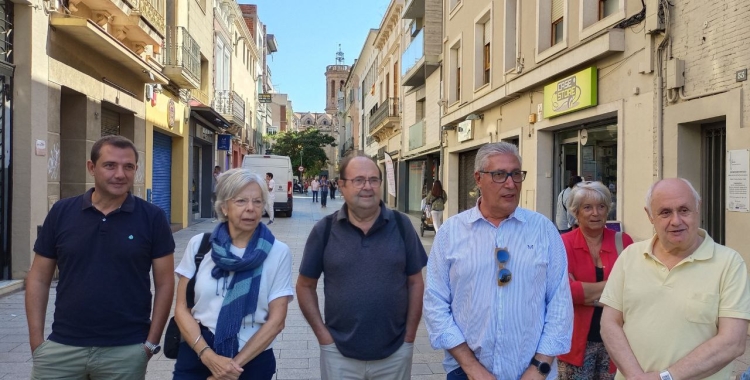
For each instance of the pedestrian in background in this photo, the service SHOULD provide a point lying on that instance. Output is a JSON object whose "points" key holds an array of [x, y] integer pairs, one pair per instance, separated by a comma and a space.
{"points": [[315, 186], [436, 200], [497, 298], [677, 305], [592, 250], [105, 243], [242, 289], [271, 185], [324, 185], [371, 260], [215, 175], [332, 187], [563, 218]]}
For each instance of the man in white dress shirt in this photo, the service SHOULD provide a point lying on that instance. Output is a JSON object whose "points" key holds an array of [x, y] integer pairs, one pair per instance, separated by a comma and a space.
{"points": [[497, 297]]}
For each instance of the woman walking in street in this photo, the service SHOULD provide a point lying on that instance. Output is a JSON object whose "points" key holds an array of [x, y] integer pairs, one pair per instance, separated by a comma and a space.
{"points": [[241, 288], [436, 200]]}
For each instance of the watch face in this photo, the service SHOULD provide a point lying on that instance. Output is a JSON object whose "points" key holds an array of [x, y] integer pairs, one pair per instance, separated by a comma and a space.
{"points": [[544, 368], [158, 348]]}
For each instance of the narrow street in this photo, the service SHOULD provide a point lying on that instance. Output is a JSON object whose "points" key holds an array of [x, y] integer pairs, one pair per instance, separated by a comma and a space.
{"points": [[296, 348]]}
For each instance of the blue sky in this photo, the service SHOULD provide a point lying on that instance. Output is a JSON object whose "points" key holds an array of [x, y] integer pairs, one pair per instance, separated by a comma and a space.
{"points": [[308, 33]]}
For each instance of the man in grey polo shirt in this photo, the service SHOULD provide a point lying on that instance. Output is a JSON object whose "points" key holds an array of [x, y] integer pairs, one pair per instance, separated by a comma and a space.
{"points": [[372, 260]]}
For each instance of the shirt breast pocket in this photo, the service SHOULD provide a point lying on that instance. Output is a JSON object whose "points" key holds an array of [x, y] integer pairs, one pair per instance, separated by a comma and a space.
{"points": [[702, 308]]}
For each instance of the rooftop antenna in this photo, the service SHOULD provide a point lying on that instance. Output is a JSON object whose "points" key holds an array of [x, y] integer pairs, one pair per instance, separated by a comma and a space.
{"points": [[339, 56]]}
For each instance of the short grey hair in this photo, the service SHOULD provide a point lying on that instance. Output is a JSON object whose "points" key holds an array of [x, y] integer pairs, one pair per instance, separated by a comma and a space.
{"points": [[492, 149], [650, 193], [594, 190], [230, 183]]}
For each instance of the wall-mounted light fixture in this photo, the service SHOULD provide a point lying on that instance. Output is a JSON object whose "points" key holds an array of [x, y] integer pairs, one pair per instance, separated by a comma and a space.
{"points": [[473, 116], [449, 127]]}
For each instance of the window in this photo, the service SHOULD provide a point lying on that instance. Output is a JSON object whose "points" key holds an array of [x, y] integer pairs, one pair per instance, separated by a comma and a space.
{"points": [[557, 21], [482, 51], [454, 73], [608, 7], [452, 4], [511, 17]]}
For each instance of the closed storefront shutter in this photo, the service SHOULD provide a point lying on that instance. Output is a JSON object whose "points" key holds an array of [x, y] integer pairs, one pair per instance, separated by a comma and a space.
{"points": [[110, 122], [162, 173], [468, 192]]}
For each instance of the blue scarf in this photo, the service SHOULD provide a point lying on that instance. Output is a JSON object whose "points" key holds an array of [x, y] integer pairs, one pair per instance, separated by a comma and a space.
{"points": [[241, 298]]}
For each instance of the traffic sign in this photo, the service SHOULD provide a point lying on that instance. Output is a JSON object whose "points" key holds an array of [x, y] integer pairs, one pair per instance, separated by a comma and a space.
{"points": [[301, 168]]}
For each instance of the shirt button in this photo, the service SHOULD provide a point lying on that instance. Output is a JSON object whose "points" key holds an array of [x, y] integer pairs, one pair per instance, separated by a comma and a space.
{"points": [[104, 219], [663, 269]]}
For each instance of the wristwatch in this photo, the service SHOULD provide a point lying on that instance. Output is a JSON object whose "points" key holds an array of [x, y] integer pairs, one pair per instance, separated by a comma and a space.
{"points": [[154, 348], [543, 367], [665, 375]]}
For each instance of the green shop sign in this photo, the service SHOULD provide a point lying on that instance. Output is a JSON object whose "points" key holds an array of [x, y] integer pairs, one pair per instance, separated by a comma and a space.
{"points": [[571, 94]]}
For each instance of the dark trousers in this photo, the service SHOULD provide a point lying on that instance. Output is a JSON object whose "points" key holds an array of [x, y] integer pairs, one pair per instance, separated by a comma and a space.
{"points": [[315, 196], [457, 374], [323, 198], [333, 193], [189, 366]]}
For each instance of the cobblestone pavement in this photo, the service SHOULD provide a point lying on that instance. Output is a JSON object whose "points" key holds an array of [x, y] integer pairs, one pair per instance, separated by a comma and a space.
{"points": [[296, 348]]}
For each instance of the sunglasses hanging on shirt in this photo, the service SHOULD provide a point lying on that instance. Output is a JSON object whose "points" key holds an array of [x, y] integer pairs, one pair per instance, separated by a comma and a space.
{"points": [[503, 275]]}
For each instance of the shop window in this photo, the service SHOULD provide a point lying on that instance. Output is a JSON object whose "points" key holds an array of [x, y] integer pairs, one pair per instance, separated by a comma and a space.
{"points": [[591, 153]]}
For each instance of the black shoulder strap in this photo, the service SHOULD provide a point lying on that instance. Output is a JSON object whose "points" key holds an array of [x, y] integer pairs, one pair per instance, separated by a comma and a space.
{"points": [[202, 250]]}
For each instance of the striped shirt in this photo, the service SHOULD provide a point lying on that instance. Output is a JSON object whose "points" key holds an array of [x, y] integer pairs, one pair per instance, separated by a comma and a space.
{"points": [[504, 325]]}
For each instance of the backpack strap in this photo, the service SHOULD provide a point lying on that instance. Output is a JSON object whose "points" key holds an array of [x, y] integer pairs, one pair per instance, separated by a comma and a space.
{"points": [[202, 250], [618, 242]]}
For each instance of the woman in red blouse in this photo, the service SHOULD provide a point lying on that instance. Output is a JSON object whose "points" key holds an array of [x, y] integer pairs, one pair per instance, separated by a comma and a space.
{"points": [[592, 250]]}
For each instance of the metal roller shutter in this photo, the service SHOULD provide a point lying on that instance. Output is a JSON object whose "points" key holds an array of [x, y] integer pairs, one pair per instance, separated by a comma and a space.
{"points": [[110, 122], [557, 10], [162, 173]]}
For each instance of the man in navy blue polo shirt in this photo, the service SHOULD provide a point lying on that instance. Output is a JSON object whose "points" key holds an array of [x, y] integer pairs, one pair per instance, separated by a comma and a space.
{"points": [[104, 242], [372, 262]]}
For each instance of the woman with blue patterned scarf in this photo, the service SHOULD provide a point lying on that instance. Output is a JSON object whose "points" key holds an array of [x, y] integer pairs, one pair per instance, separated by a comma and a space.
{"points": [[242, 286]]}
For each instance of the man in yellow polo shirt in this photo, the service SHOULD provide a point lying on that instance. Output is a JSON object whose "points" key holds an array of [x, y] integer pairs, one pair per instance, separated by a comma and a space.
{"points": [[676, 306]]}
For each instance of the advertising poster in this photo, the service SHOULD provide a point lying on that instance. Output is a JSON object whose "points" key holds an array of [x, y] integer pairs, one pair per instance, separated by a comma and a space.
{"points": [[738, 180]]}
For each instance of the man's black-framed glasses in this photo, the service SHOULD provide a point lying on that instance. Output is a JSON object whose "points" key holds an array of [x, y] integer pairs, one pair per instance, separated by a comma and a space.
{"points": [[503, 274], [501, 176], [359, 182]]}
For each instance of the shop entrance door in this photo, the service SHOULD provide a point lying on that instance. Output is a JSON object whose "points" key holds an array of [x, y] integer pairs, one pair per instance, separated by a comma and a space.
{"points": [[713, 186]]}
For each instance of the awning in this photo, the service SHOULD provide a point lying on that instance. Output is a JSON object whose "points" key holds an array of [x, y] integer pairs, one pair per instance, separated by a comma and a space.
{"points": [[90, 34], [208, 116]]}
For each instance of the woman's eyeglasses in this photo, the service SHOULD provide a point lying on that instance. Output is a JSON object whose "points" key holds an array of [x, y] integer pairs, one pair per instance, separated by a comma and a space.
{"points": [[503, 275]]}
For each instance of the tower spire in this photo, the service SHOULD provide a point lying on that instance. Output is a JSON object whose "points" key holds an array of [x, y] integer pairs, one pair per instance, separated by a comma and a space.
{"points": [[340, 56]]}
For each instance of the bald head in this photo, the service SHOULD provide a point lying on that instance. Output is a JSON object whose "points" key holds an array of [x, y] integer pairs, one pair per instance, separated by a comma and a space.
{"points": [[671, 187]]}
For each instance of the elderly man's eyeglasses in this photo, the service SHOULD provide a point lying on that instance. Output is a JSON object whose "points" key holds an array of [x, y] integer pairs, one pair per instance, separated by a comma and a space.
{"points": [[359, 182], [503, 275], [501, 176]]}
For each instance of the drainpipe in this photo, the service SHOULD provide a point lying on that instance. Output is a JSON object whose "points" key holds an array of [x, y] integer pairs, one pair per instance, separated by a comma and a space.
{"points": [[659, 125]]}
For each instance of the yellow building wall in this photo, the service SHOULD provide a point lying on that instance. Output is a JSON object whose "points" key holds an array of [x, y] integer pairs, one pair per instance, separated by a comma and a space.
{"points": [[156, 120]]}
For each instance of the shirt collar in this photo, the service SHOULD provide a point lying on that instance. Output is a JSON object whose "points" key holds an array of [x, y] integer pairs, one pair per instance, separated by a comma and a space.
{"points": [[385, 213], [579, 241], [705, 251], [475, 214], [128, 205]]}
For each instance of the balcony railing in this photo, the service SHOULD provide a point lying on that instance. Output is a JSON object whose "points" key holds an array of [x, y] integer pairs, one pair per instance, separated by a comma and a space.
{"points": [[347, 146], [182, 51], [413, 53], [389, 108], [231, 105], [153, 12]]}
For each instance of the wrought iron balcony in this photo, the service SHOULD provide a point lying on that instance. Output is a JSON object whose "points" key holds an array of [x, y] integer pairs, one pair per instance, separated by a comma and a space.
{"points": [[153, 12], [230, 105], [384, 120], [182, 58]]}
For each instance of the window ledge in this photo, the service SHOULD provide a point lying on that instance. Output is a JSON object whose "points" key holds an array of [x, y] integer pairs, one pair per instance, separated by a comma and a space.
{"points": [[550, 51], [482, 87], [455, 9], [600, 25]]}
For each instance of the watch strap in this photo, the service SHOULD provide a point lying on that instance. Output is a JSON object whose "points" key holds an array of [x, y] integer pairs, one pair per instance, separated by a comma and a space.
{"points": [[665, 375]]}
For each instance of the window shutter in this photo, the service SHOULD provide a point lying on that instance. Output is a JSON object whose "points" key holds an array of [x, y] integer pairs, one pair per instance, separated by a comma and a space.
{"points": [[557, 10]]}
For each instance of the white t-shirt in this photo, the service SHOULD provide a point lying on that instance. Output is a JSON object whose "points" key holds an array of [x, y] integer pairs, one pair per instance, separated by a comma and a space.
{"points": [[315, 185], [275, 282], [271, 187]]}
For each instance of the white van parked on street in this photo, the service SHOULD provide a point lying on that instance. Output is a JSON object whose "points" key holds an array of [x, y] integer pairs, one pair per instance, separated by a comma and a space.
{"points": [[281, 167]]}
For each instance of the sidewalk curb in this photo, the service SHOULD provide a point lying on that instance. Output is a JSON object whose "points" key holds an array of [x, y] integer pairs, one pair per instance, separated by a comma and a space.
{"points": [[7, 287]]}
